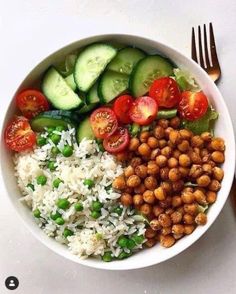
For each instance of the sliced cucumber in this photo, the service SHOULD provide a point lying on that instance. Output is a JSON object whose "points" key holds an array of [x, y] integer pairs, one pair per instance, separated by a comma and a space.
{"points": [[84, 130], [125, 60], [146, 71], [72, 115], [90, 63], [41, 121], [111, 85], [87, 108], [92, 96], [71, 82], [58, 92]]}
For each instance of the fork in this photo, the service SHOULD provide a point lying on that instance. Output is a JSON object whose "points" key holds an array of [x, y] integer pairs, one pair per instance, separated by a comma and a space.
{"points": [[209, 63]]}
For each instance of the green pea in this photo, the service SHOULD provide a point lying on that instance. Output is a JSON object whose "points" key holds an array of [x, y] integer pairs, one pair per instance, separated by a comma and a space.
{"points": [[67, 151], [41, 180], [31, 186], [37, 213], [131, 244], [95, 214], [124, 255], [79, 206], [55, 150], [55, 138], [54, 216], [67, 233], [138, 239], [107, 256], [60, 221], [118, 210], [41, 141], [123, 241], [89, 183], [51, 165], [50, 130], [60, 128], [63, 203], [96, 206], [56, 182]]}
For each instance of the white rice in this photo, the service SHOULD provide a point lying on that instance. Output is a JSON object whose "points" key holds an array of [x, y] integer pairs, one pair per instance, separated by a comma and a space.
{"points": [[91, 236]]}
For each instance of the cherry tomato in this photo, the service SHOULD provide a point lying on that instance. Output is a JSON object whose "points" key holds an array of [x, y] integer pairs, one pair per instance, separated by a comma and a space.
{"points": [[193, 105], [144, 110], [166, 92], [103, 122], [31, 102], [117, 142], [19, 135], [121, 108]]}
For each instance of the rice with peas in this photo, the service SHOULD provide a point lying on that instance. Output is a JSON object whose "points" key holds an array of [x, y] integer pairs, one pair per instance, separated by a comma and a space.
{"points": [[89, 236]]}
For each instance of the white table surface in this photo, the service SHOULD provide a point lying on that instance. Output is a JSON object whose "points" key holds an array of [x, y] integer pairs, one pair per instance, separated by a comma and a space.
{"points": [[30, 30]]}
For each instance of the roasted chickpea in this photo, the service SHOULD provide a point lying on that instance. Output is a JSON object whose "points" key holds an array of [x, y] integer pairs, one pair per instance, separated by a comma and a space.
{"points": [[167, 132], [126, 199], [212, 163], [206, 136], [122, 156], [174, 175], [201, 219], [195, 171], [176, 201], [176, 217], [162, 143], [135, 161], [161, 160], [183, 146], [203, 181], [174, 137], [144, 149], [128, 190], [184, 160], [195, 157], [200, 197], [204, 152], [167, 241], [166, 151], [177, 229], [166, 231], [160, 193], [218, 173], [207, 169], [172, 162], [164, 123], [155, 153], [177, 186], [188, 189], [197, 141], [218, 156], [150, 233], [167, 187], [214, 185], [187, 197], [150, 242], [191, 208], [141, 171], [206, 158], [197, 150], [164, 220], [155, 225], [175, 122], [134, 144], [145, 209], [218, 144], [185, 134], [184, 171], [148, 197], [152, 168], [133, 181], [169, 210], [140, 189], [188, 219], [138, 199], [211, 197], [129, 171], [144, 136], [119, 183], [150, 183], [164, 173], [176, 153], [157, 210], [188, 229], [166, 203], [159, 132], [180, 209], [152, 142]]}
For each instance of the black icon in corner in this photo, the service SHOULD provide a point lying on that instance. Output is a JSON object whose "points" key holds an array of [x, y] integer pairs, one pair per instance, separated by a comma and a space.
{"points": [[11, 283]]}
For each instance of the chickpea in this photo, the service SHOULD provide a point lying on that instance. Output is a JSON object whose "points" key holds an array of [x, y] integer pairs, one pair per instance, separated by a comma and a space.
{"points": [[166, 231], [144, 149], [165, 203], [188, 219], [218, 156], [201, 219], [138, 199], [218, 144], [214, 186], [197, 141], [126, 199], [197, 150], [164, 220], [140, 189], [195, 171], [169, 210], [150, 183], [167, 241], [187, 197], [177, 229], [119, 183], [174, 137], [152, 168], [164, 173], [122, 156], [144, 136], [150, 233], [211, 197], [150, 243], [188, 189], [184, 160], [164, 123], [174, 174], [195, 157], [175, 122], [212, 163], [176, 154], [167, 132], [206, 158], [148, 197], [129, 171], [155, 225], [176, 217], [152, 142], [203, 181], [191, 208], [200, 197], [183, 146], [178, 236], [188, 229], [207, 168], [141, 171], [204, 152], [161, 160], [176, 201], [178, 185], [180, 209], [133, 181], [184, 171], [206, 136], [128, 190], [172, 162], [166, 151], [157, 210], [134, 144], [160, 193], [145, 209], [155, 153], [135, 161], [162, 143], [185, 134], [218, 173], [159, 132]]}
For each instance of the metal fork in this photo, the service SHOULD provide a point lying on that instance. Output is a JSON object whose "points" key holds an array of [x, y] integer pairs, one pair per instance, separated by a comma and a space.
{"points": [[209, 62]]}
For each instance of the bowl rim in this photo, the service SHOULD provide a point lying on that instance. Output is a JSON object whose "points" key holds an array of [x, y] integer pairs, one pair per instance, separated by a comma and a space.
{"points": [[188, 243]]}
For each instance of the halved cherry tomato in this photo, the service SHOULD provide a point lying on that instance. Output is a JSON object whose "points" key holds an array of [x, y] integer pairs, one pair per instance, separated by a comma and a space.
{"points": [[103, 122], [19, 135], [144, 110], [193, 105], [166, 92], [121, 108], [117, 142], [31, 102]]}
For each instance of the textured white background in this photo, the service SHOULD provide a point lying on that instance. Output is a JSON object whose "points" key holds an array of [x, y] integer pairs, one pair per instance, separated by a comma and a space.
{"points": [[30, 30]]}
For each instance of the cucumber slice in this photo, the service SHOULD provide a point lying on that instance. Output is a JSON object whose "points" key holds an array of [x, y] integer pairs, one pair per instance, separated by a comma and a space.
{"points": [[71, 82], [92, 96], [87, 108], [90, 63], [84, 130], [72, 115], [58, 92], [146, 71], [111, 85], [41, 121], [125, 60]]}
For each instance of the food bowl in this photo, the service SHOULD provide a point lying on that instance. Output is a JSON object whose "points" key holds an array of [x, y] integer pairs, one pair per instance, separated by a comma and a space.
{"points": [[223, 128]]}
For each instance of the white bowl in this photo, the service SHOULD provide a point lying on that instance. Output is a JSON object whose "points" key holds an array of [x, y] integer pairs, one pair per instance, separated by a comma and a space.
{"points": [[223, 128]]}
